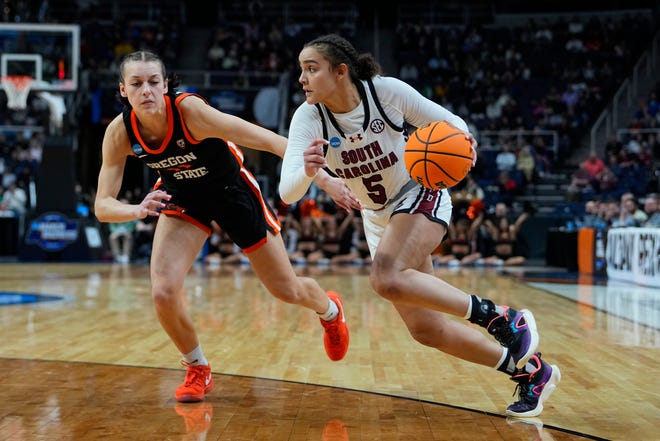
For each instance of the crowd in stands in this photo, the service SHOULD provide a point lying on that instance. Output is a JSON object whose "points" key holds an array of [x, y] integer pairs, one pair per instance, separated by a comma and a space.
{"points": [[522, 82], [20, 158], [547, 74], [628, 167], [259, 44], [256, 45], [627, 211], [317, 234], [483, 235], [621, 188]]}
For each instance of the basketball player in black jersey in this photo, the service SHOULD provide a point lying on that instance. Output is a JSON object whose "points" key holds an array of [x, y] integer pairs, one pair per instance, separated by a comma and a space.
{"points": [[201, 179]]}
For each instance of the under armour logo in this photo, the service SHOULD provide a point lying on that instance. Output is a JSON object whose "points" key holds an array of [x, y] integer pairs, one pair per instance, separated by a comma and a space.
{"points": [[357, 137]]}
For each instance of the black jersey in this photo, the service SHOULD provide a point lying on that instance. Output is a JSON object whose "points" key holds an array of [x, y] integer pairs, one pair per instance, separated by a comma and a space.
{"points": [[181, 161], [206, 179]]}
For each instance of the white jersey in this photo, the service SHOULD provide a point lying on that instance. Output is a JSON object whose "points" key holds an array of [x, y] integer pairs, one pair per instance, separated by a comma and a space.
{"points": [[366, 145]]}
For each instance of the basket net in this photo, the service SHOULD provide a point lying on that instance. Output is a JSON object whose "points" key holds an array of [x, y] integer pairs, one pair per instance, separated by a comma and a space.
{"points": [[17, 89]]}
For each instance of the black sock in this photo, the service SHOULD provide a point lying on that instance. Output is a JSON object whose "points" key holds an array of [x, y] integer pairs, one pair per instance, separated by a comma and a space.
{"points": [[483, 311]]}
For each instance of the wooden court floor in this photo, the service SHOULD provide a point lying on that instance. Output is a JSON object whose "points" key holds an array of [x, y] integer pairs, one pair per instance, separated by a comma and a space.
{"points": [[83, 357]]}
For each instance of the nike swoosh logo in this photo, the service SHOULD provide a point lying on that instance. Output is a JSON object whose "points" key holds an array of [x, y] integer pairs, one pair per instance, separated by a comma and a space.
{"points": [[208, 380], [343, 317]]}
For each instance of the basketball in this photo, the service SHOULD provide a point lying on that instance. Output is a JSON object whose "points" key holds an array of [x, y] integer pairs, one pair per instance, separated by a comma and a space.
{"points": [[438, 155]]}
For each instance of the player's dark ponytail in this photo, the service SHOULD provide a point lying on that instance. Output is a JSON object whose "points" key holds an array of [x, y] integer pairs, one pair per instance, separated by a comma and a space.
{"points": [[338, 50]]}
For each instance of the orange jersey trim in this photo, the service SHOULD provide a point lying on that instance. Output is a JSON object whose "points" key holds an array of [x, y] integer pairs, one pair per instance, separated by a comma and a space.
{"points": [[256, 245], [186, 133], [189, 219], [271, 219], [166, 140]]}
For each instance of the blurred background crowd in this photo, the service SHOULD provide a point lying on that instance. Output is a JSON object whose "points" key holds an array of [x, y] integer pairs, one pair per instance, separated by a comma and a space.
{"points": [[533, 85]]}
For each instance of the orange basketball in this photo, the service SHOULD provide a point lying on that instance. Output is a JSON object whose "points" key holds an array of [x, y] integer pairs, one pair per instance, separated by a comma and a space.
{"points": [[438, 155]]}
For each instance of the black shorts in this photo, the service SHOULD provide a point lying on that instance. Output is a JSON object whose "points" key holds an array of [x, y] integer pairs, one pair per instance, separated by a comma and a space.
{"points": [[238, 208]]}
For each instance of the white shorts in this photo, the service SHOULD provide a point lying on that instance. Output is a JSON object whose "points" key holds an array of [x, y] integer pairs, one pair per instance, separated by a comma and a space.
{"points": [[434, 204]]}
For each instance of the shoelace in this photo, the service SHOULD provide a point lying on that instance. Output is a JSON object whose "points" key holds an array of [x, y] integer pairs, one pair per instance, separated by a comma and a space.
{"points": [[503, 333], [522, 389], [525, 384], [193, 376], [333, 332]]}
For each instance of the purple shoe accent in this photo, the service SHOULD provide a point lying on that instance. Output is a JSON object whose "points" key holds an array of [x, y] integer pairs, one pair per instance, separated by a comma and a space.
{"points": [[516, 330]]}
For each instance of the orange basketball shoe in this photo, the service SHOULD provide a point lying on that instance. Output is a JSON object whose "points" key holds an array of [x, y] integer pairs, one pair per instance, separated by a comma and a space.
{"points": [[336, 331], [197, 384]]}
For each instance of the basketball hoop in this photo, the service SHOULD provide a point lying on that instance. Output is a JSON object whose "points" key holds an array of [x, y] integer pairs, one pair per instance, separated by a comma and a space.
{"points": [[17, 88]]}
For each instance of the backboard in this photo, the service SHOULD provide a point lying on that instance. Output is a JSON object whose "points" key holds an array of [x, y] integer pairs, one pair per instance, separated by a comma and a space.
{"points": [[49, 53]]}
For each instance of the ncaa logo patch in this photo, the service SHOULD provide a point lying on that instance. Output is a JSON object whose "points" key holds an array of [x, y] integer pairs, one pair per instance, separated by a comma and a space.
{"points": [[377, 125], [137, 149], [335, 142]]}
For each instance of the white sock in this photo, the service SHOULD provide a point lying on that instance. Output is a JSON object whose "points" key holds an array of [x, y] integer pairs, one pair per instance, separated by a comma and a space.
{"points": [[505, 353], [506, 364], [469, 310], [529, 367], [195, 357], [330, 313]]}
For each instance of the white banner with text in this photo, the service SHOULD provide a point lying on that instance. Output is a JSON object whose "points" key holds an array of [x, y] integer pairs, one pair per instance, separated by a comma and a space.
{"points": [[633, 255]]}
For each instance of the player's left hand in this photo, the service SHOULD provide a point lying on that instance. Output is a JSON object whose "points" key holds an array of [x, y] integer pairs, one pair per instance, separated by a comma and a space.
{"points": [[344, 198], [474, 148], [473, 143]]}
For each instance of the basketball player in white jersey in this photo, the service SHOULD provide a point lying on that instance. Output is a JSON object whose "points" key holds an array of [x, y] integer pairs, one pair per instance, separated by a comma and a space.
{"points": [[353, 124]]}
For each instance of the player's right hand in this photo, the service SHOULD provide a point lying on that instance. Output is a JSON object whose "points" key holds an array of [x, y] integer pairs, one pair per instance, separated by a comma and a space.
{"points": [[313, 157], [153, 203]]}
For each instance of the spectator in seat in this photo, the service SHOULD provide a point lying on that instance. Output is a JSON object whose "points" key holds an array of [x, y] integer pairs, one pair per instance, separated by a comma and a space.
{"points": [[652, 210], [507, 186], [581, 182], [121, 239], [526, 164], [593, 164], [609, 211], [630, 215], [5, 211], [590, 218], [606, 180], [15, 198], [505, 160]]}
